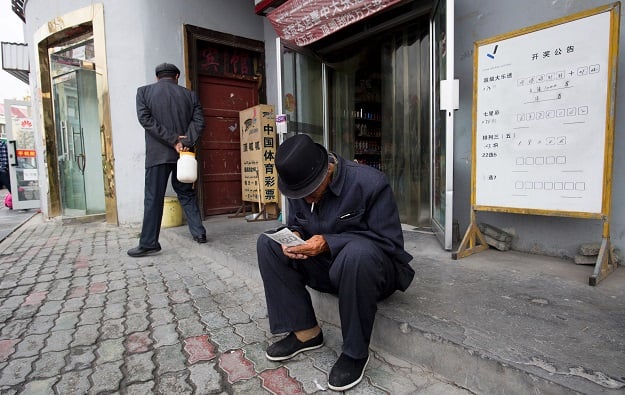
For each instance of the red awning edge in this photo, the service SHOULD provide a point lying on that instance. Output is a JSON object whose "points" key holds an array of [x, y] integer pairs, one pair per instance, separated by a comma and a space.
{"points": [[302, 22]]}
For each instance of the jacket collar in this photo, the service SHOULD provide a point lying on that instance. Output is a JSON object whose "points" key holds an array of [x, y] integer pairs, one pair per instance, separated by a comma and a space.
{"points": [[170, 80], [338, 178]]}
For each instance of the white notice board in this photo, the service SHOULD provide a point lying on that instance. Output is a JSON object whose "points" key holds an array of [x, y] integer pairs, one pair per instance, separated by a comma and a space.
{"points": [[543, 116]]}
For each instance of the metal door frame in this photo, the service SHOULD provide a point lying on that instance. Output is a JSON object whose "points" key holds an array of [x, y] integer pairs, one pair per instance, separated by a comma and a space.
{"points": [[448, 99]]}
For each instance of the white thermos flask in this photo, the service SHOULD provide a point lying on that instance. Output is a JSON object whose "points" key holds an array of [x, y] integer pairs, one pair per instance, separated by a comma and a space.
{"points": [[186, 168]]}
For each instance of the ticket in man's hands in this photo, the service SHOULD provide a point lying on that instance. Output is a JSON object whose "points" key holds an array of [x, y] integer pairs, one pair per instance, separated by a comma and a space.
{"points": [[285, 237]]}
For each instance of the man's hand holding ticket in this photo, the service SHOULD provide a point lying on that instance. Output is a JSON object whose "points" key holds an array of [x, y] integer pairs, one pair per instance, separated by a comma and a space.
{"points": [[285, 237]]}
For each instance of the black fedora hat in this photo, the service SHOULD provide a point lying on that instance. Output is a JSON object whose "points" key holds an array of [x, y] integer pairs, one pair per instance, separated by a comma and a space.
{"points": [[302, 166]]}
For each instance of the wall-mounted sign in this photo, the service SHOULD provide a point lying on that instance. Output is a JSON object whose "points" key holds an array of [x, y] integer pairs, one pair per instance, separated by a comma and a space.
{"points": [[542, 117], [222, 60], [25, 153]]}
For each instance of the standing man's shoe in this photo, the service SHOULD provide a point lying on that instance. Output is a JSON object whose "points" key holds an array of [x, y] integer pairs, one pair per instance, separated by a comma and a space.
{"points": [[142, 251], [346, 373], [200, 239]]}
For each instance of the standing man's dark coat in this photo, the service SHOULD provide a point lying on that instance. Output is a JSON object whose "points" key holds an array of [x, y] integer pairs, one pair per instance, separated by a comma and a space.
{"points": [[166, 111]]}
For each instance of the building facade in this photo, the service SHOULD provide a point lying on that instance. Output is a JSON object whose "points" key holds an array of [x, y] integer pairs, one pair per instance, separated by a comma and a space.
{"points": [[368, 89]]}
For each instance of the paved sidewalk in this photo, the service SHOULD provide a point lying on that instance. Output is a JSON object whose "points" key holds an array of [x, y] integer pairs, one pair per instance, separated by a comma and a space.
{"points": [[11, 219], [78, 316]]}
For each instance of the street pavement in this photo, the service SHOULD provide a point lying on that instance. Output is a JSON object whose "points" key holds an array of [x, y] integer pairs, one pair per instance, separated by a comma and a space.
{"points": [[79, 316], [11, 219]]}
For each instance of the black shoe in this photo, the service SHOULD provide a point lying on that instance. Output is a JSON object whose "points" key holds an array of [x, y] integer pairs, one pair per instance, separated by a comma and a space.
{"points": [[290, 346], [143, 251], [346, 373], [200, 239]]}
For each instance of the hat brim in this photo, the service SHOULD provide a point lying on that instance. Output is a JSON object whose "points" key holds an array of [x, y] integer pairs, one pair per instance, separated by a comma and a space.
{"points": [[308, 189]]}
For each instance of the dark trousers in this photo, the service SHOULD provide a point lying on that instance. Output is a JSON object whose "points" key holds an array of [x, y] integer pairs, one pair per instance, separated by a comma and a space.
{"points": [[360, 275], [156, 178], [5, 179]]}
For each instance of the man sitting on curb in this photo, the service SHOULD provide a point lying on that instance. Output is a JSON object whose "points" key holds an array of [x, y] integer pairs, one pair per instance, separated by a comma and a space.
{"points": [[347, 214]]}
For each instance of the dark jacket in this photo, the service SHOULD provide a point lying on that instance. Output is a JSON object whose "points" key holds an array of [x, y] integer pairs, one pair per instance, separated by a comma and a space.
{"points": [[359, 203], [167, 110]]}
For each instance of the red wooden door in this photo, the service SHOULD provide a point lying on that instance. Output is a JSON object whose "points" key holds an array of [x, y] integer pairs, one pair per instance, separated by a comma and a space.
{"points": [[219, 159]]}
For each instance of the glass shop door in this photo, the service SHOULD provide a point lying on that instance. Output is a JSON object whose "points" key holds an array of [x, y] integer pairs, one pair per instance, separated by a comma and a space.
{"points": [[22, 155], [79, 145], [444, 102], [301, 92]]}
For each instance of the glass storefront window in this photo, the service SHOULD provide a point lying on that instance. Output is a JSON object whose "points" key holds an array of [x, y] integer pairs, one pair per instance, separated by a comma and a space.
{"points": [[302, 90], [23, 155]]}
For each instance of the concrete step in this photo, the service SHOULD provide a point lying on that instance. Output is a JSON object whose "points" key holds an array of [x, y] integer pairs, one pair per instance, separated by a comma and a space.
{"points": [[492, 323]]}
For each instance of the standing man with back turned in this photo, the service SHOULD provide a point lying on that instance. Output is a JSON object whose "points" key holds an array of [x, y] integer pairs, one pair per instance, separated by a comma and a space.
{"points": [[347, 214], [173, 121]]}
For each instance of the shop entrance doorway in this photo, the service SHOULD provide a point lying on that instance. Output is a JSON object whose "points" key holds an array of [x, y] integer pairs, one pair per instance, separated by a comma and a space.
{"points": [[220, 156], [77, 128], [227, 72], [373, 95], [78, 182], [379, 113], [369, 102]]}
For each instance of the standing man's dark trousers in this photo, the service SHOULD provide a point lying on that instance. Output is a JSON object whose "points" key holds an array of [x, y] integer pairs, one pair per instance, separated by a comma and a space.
{"points": [[361, 275], [156, 178]]}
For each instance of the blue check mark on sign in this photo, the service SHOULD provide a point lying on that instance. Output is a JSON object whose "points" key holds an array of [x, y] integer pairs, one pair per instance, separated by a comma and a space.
{"points": [[492, 56]]}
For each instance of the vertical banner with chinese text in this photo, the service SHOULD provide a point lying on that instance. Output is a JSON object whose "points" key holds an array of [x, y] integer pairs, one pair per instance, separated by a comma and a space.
{"points": [[258, 148]]}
